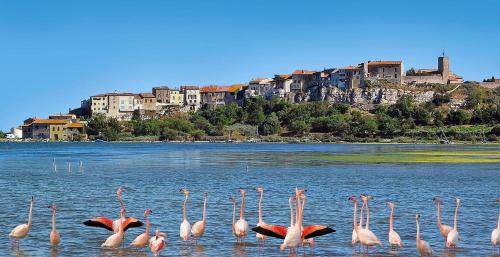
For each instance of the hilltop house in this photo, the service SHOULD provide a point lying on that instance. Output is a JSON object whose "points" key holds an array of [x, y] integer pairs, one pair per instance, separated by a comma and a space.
{"points": [[192, 97], [218, 95]]}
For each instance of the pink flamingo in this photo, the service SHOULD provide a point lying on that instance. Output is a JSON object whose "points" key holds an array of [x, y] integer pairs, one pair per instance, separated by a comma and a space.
{"points": [[423, 248], [443, 229], [113, 226], [185, 228], [54, 235], [453, 237], [261, 222], [394, 239], [241, 226], [143, 239], [21, 231], [495, 234], [366, 236], [198, 228], [157, 243]]}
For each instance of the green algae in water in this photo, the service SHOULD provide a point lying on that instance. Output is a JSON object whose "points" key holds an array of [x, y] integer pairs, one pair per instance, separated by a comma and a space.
{"points": [[416, 157]]}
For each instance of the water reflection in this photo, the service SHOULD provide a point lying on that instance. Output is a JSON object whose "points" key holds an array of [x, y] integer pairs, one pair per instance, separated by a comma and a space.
{"points": [[54, 252], [199, 250], [239, 249], [184, 249], [119, 252]]}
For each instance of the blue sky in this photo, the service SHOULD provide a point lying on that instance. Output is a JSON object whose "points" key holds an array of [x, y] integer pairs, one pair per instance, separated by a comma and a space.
{"points": [[56, 53]]}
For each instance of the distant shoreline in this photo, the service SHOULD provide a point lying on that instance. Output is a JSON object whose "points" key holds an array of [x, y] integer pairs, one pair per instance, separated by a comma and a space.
{"points": [[260, 142]]}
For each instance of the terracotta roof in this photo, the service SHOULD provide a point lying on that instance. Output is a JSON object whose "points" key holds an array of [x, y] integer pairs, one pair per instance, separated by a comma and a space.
{"points": [[50, 121], [75, 125], [284, 76], [303, 72], [214, 88], [370, 63], [147, 95], [455, 77]]}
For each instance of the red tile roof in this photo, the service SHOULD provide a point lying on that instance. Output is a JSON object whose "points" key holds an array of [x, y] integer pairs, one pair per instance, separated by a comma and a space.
{"points": [[303, 72]]}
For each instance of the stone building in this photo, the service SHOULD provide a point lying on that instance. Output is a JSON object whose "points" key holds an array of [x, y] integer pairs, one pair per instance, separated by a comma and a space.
{"points": [[192, 97], [441, 75], [176, 97], [301, 80], [99, 104], [260, 86], [162, 94], [218, 95]]}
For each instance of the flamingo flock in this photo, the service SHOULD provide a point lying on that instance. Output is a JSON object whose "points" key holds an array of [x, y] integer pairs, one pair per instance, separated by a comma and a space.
{"points": [[293, 236]]}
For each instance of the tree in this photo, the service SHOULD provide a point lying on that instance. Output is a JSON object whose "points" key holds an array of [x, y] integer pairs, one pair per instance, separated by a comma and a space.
{"points": [[411, 72], [387, 125], [458, 117], [271, 125], [2, 134], [113, 129], [367, 127], [300, 127]]}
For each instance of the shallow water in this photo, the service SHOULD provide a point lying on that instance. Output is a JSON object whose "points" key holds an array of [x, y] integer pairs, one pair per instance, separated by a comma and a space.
{"points": [[152, 175]]}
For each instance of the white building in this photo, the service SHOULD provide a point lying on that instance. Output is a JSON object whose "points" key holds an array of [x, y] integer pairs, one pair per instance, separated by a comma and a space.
{"points": [[192, 97]]}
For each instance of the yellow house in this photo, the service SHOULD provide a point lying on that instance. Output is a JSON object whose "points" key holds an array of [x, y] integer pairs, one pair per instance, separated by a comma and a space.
{"points": [[176, 98]]}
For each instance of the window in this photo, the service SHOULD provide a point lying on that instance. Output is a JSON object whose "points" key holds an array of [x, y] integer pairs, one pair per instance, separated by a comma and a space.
{"points": [[395, 69], [122, 102], [383, 69], [396, 75]]}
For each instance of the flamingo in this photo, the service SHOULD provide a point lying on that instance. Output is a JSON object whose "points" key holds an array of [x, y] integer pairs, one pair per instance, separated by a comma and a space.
{"points": [[423, 248], [142, 239], [21, 231], [394, 239], [113, 225], [115, 239], [241, 226], [293, 237], [354, 237], [281, 232], [233, 224], [309, 241], [185, 228], [157, 243], [198, 228], [495, 234], [54, 235], [261, 222], [453, 237], [366, 236], [443, 229]]}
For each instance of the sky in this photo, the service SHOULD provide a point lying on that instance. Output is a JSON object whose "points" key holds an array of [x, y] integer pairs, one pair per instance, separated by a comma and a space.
{"points": [[53, 54]]}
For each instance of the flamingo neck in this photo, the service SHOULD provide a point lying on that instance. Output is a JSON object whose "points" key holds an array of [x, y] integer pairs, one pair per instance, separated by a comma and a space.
{"points": [[498, 223], [367, 226], [291, 213], [302, 210], [53, 219], [361, 215], [354, 216], [185, 208], [147, 225], [204, 219], [30, 214], [242, 208], [439, 214], [260, 207], [418, 231], [297, 210], [234, 215], [391, 226], [455, 218]]}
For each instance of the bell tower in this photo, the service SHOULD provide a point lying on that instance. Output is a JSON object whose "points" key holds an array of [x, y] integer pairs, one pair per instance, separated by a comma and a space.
{"points": [[443, 68]]}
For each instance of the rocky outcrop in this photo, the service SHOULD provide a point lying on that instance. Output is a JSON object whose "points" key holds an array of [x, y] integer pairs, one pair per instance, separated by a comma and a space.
{"points": [[365, 98]]}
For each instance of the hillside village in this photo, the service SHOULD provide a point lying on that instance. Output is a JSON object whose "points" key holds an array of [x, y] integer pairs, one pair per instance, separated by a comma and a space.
{"points": [[363, 86]]}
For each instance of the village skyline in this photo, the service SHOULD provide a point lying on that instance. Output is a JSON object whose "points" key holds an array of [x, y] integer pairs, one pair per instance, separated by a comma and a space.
{"points": [[62, 51]]}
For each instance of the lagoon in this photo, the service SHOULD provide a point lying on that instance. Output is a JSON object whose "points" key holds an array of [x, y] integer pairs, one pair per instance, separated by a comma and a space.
{"points": [[153, 173]]}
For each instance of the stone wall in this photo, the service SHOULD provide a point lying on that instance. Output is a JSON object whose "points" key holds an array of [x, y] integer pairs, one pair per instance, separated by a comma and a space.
{"points": [[423, 79], [490, 84], [365, 98]]}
